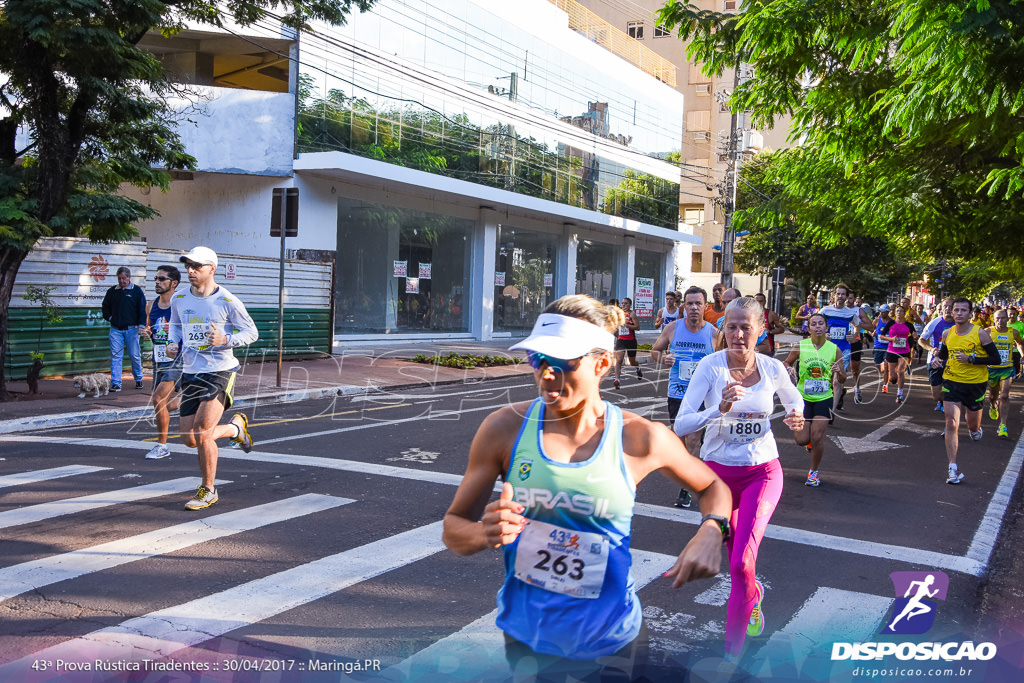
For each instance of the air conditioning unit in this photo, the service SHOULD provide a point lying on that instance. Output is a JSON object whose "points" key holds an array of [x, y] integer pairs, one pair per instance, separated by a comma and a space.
{"points": [[752, 141], [703, 88]]}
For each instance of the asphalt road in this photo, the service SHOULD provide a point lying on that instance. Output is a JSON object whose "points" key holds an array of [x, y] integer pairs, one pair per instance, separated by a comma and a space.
{"points": [[323, 557]]}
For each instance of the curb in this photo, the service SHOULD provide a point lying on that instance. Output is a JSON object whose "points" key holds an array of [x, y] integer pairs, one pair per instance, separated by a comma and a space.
{"points": [[28, 424]]}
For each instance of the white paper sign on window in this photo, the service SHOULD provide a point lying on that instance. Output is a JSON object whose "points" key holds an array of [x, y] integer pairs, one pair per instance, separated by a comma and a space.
{"points": [[499, 279], [401, 268], [424, 271], [643, 304], [549, 280], [412, 285]]}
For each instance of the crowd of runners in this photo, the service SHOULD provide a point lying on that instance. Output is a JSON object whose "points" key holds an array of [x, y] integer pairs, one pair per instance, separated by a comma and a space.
{"points": [[570, 461]]}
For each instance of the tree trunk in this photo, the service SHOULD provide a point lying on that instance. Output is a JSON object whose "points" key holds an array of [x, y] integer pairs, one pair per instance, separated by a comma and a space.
{"points": [[10, 261]]}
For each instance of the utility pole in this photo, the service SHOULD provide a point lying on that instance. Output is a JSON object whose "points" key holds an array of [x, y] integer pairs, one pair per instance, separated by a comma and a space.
{"points": [[731, 181]]}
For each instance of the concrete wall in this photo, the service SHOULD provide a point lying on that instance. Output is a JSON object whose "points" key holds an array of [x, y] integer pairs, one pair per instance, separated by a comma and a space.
{"points": [[231, 214], [239, 131]]}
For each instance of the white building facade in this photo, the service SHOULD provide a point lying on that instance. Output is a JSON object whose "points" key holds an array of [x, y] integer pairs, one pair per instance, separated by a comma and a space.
{"points": [[462, 164]]}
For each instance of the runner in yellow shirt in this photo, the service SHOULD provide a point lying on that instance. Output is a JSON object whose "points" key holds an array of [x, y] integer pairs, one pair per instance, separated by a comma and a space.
{"points": [[967, 349], [1007, 340]]}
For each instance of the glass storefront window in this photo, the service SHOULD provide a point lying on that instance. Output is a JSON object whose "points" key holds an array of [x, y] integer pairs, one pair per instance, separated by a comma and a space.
{"points": [[595, 269], [400, 270], [525, 264], [571, 132]]}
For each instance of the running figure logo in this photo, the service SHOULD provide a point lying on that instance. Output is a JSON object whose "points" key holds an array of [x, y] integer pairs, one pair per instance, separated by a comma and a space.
{"points": [[914, 613]]}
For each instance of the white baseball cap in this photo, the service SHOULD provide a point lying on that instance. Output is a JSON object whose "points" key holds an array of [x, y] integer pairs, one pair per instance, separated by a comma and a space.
{"points": [[201, 255], [562, 336], [884, 307]]}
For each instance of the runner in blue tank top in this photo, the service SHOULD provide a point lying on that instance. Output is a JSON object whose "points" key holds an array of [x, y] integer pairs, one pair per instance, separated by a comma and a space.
{"points": [[841, 320], [166, 371], [571, 462]]}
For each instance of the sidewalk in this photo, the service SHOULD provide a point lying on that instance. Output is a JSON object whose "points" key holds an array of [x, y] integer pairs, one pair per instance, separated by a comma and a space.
{"points": [[354, 370], [351, 371]]}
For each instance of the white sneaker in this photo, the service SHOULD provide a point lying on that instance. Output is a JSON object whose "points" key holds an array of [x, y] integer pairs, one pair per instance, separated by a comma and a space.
{"points": [[204, 498], [158, 451], [955, 476], [975, 436]]}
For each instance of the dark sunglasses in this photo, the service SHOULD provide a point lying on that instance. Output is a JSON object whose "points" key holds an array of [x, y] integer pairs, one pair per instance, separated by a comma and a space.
{"points": [[194, 266], [538, 360], [161, 279]]}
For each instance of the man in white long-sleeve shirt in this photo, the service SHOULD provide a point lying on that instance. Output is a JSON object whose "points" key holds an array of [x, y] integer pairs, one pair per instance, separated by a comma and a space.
{"points": [[207, 322]]}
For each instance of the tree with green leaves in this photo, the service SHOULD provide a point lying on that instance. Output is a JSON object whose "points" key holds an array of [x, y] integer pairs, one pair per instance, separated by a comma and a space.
{"points": [[785, 231], [909, 115], [82, 112]]}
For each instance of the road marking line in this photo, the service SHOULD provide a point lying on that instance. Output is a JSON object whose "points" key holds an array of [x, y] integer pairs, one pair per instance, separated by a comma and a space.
{"points": [[166, 631], [964, 565], [69, 506], [23, 478], [829, 615], [984, 540], [477, 650], [298, 419], [717, 595], [927, 558], [437, 396], [21, 578], [430, 415], [313, 417]]}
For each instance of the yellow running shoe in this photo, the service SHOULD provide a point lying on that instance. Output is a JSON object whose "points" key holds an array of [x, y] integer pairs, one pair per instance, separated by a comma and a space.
{"points": [[756, 625], [244, 439], [993, 412]]}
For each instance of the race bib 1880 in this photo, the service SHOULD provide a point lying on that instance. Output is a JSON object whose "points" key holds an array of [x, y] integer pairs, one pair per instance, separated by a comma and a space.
{"points": [[744, 427], [562, 560]]}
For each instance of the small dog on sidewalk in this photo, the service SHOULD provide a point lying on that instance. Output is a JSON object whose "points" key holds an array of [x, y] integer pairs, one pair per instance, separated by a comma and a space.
{"points": [[95, 382]]}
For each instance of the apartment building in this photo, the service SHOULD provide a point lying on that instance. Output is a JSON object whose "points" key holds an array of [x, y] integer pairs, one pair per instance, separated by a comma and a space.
{"points": [[706, 126]]}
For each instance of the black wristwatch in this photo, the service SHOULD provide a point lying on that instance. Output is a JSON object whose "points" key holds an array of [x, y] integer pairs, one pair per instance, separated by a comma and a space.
{"points": [[722, 522]]}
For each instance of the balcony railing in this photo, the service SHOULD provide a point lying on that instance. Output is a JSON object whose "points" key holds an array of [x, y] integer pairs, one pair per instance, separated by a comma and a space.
{"points": [[582, 20]]}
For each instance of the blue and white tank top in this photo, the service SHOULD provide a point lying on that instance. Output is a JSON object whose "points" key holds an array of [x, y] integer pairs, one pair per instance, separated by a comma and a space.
{"points": [[159, 325], [568, 590], [687, 348]]}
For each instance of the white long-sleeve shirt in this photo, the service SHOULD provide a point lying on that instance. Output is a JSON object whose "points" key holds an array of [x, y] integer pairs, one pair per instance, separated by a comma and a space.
{"points": [[191, 316], [743, 436]]}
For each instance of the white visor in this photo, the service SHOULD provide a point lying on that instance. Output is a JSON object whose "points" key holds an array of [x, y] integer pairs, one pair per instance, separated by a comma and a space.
{"points": [[561, 336]]}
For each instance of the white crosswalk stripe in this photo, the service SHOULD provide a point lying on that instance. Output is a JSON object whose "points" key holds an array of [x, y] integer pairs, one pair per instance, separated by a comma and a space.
{"points": [[830, 614], [23, 478], [164, 632], [477, 651], [473, 652], [28, 576], [913, 556], [68, 506]]}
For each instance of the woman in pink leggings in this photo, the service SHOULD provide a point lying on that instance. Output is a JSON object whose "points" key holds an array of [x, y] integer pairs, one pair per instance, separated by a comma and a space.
{"points": [[738, 386]]}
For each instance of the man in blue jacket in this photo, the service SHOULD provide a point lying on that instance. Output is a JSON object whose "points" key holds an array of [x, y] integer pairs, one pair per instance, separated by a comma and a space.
{"points": [[124, 307]]}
